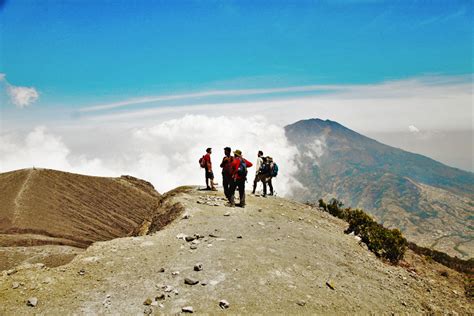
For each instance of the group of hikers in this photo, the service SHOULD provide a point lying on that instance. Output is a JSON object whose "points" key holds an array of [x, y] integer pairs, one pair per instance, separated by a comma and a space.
{"points": [[234, 174]]}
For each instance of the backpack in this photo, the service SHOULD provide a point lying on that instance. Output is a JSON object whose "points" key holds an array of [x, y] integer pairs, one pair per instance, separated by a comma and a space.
{"points": [[274, 172], [202, 162], [242, 171], [265, 168]]}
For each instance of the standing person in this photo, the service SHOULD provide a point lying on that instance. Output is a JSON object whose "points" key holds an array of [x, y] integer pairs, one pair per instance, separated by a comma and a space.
{"points": [[273, 172], [208, 170], [239, 175], [226, 166], [257, 171]]}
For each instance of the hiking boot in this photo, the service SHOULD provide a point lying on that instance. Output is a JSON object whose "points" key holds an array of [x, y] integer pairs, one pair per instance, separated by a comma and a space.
{"points": [[240, 205], [228, 204]]}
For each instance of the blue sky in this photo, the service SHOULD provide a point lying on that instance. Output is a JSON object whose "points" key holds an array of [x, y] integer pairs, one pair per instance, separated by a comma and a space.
{"points": [[80, 53]]}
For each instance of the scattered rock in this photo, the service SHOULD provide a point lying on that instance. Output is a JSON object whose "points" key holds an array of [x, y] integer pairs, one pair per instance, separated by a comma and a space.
{"points": [[82, 272], [189, 238], [181, 236], [301, 303], [195, 242], [161, 270], [330, 285], [213, 236], [200, 202], [193, 247], [190, 281], [148, 301], [227, 214], [204, 283], [148, 310], [239, 237], [198, 267], [15, 285], [186, 216], [154, 303], [224, 304], [168, 288], [187, 309], [32, 302], [175, 273], [259, 209], [11, 271], [160, 297]]}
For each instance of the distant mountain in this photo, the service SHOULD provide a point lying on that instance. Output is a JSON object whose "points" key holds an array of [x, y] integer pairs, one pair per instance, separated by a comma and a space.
{"points": [[430, 202]]}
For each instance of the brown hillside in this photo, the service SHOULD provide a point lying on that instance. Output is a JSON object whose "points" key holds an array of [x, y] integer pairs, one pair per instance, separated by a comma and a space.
{"points": [[40, 206]]}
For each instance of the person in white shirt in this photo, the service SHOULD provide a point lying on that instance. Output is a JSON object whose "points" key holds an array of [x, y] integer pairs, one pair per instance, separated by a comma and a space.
{"points": [[257, 172]]}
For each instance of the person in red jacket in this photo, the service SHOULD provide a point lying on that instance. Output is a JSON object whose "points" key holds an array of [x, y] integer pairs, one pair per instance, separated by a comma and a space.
{"points": [[226, 166], [239, 175], [208, 170]]}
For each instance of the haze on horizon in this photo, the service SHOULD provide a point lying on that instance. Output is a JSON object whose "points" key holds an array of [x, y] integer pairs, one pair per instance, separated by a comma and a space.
{"points": [[137, 87]]}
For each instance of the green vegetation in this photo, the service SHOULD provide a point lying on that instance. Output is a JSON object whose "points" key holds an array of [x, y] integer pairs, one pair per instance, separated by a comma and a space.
{"points": [[385, 243]]}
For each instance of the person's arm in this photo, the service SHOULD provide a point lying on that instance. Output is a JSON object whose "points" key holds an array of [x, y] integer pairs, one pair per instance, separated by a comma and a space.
{"points": [[222, 163], [248, 163]]}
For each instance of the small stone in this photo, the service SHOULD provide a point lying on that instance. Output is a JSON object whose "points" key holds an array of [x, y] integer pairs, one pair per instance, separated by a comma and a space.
{"points": [[404, 304], [148, 310], [259, 209], [82, 272], [186, 216], [330, 285], [148, 301], [213, 236], [227, 214], [161, 270], [193, 247], [195, 242], [154, 303], [190, 281], [32, 302], [11, 271], [198, 267], [15, 285], [181, 236], [160, 297], [239, 237], [168, 288], [175, 273], [187, 309], [200, 202], [176, 292], [301, 303], [189, 238], [204, 283], [224, 304]]}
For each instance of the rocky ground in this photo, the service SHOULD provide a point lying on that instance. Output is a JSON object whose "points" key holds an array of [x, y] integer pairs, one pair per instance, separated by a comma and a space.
{"points": [[274, 256]]}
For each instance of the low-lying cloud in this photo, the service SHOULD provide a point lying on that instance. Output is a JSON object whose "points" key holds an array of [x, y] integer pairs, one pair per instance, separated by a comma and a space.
{"points": [[165, 154]]}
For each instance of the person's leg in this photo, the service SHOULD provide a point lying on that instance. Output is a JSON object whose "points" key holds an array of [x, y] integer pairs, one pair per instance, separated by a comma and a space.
{"points": [[206, 174], [255, 182], [226, 185], [233, 186], [211, 177], [270, 185], [242, 192]]}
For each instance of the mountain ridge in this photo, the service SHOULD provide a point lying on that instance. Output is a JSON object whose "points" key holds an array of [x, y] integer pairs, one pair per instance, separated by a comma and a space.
{"points": [[401, 189]]}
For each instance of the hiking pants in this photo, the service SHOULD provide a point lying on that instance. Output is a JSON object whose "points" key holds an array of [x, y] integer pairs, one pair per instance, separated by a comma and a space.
{"points": [[240, 184], [227, 184]]}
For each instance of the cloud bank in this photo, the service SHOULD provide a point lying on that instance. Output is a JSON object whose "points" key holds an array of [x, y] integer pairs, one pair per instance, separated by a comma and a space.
{"points": [[19, 96], [166, 154]]}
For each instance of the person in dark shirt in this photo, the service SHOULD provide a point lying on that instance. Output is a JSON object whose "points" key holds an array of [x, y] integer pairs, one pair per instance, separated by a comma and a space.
{"points": [[226, 166]]}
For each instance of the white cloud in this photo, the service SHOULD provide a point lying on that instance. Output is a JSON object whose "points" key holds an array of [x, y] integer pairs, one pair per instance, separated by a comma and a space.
{"points": [[413, 129], [21, 97], [166, 153]]}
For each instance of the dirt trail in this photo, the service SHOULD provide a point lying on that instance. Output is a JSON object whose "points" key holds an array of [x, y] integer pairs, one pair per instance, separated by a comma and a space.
{"points": [[24, 186], [274, 256]]}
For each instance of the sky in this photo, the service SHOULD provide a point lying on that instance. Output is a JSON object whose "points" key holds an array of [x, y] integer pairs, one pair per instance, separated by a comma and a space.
{"points": [[83, 79]]}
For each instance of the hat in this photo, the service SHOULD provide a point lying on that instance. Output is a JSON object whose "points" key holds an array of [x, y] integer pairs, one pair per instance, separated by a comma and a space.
{"points": [[238, 153]]}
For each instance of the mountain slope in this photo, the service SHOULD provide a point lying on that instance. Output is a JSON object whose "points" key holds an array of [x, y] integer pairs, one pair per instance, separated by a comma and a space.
{"points": [[40, 206], [432, 203], [274, 257]]}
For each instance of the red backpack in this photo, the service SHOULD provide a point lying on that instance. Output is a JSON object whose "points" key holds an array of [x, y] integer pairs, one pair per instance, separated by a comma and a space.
{"points": [[202, 162]]}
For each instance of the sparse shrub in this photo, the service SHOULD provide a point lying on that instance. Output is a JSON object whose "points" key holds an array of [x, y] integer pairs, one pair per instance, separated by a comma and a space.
{"points": [[386, 243]]}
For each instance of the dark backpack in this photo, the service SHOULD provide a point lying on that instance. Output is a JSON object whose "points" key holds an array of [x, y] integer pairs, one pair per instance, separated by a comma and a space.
{"points": [[202, 162], [274, 172], [242, 171], [265, 168]]}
